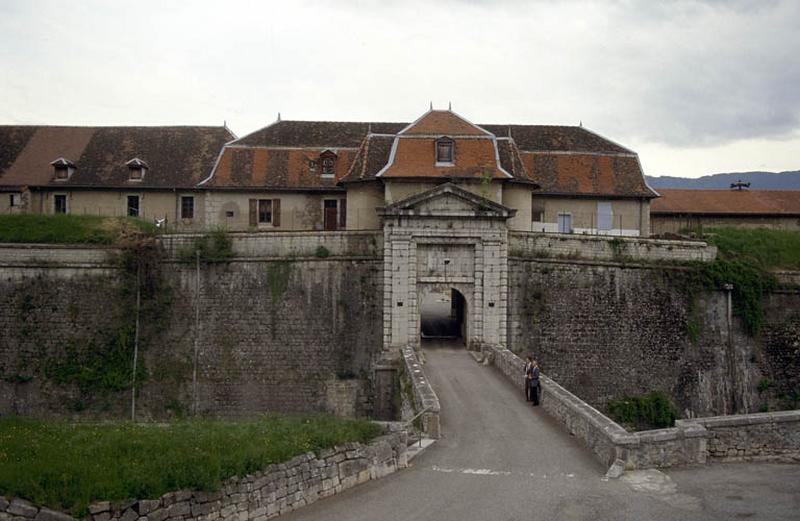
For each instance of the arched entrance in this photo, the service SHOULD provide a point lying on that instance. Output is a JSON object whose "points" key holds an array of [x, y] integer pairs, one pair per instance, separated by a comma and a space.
{"points": [[443, 314]]}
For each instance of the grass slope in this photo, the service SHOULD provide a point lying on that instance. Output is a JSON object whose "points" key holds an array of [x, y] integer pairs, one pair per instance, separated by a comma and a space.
{"points": [[67, 466], [765, 248], [69, 229]]}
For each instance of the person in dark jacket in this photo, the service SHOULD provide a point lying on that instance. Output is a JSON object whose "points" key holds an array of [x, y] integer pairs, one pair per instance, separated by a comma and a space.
{"points": [[528, 367], [534, 380]]}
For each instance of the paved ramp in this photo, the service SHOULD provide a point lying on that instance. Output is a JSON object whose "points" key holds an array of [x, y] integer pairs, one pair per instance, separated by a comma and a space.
{"points": [[500, 458]]}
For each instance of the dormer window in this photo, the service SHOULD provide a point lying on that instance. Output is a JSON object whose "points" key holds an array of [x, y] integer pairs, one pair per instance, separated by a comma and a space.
{"points": [[137, 169], [328, 161], [63, 169], [444, 151]]}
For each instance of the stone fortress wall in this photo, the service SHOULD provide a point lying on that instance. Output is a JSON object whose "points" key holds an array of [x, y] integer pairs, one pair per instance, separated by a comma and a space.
{"points": [[295, 322], [294, 331]]}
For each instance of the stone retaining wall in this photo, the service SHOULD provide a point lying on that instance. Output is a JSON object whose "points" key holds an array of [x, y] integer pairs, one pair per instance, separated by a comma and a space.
{"points": [[770, 436], [20, 261], [425, 398], [599, 247], [276, 490], [290, 244]]}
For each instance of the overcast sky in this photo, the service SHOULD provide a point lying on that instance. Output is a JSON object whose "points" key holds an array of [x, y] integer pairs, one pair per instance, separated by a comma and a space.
{"points": [[693, 87]]}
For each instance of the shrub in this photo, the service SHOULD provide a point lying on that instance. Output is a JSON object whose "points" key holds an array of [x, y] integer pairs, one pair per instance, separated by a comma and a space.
{"points": [[215, 246], [643, 412]]}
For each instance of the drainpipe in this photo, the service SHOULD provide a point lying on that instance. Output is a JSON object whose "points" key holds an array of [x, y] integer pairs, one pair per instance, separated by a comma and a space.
{"points": [[196, 330], [728, 288]]}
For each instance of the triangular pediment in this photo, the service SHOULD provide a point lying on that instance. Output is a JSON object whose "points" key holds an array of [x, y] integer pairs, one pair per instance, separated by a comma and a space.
{"points": [[448, 200]]}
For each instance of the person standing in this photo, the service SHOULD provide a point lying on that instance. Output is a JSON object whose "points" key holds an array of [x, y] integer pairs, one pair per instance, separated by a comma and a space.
{"points": [[535, 389], [528, 372]]}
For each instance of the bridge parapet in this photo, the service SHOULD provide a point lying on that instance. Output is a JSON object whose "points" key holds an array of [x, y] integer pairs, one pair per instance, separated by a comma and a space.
{"points": [[611, 444], [426, 403]]}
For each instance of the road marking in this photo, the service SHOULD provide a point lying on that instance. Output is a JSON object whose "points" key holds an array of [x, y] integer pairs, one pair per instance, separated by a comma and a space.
{"points": [[479, 472]]}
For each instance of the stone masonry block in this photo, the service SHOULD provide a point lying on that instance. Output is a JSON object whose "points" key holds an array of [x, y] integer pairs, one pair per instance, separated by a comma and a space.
{"points": [[22, 508]]}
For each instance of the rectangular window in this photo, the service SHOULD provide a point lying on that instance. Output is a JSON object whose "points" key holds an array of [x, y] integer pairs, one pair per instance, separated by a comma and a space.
{"points": [[136, 174], [60, 203], [444, 152], [537, 210], [564, 223], [133, 206], [187, 207], [328, 167], [16, 200], [604, 216], [264, 211], [62, 173]]}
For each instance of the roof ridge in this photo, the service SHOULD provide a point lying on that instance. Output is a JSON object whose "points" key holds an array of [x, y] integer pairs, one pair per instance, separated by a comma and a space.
{"points": [[86, 127]]}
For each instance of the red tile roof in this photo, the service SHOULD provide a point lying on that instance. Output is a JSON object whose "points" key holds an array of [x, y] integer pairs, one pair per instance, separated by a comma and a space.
{"points": [[580, 174], [416, 157], [443, 122], [727, 202], [277, 168]]}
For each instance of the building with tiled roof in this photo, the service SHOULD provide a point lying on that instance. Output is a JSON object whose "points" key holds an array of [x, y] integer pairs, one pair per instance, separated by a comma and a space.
{"points": [[331, 175], [683, 209], [149, 172], [317, 175]]}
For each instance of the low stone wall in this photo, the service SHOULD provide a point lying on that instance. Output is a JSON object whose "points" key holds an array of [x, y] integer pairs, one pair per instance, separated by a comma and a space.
{"points": [[425, 398], [599, 247], [769, 436], [609, 442], [290, 244], [276, 490], [19, 261]]}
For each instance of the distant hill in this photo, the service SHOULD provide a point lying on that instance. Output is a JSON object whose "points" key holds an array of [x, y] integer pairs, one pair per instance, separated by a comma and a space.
{"points": [[757, 180]]}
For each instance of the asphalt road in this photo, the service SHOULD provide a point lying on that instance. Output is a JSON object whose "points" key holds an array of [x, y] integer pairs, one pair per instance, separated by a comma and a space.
{"points": [[501, 459]]}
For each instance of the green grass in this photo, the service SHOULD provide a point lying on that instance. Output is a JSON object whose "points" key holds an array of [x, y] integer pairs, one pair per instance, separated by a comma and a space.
{"points": [[767, 249], [67, 466], [69, 229]]}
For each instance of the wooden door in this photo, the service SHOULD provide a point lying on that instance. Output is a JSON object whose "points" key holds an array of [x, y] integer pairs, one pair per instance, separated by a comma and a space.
{"points": [[331, 215]]}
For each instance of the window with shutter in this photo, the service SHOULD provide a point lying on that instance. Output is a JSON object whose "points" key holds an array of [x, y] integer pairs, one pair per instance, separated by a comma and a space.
{"points": [[343, 214], [264, 211]]}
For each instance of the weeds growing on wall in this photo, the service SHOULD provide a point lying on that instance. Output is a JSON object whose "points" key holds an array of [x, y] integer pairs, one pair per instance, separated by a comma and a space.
{"points": [[322, 252], [643, 412], [744, 260], [215, 246], [278, 274], [105, 365]]}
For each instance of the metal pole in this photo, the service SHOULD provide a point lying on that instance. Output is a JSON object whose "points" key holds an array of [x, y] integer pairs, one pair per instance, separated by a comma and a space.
{"points": [[136, 342], [196, 330]]}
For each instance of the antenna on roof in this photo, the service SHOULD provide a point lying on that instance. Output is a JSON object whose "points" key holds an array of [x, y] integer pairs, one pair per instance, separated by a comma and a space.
{"points": [[279, 116], [431, 105], [450, 106]]}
